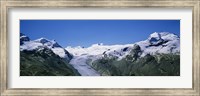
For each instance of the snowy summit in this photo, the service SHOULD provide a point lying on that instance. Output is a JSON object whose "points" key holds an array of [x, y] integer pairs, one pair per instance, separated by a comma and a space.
{"points": [[41, 43]]}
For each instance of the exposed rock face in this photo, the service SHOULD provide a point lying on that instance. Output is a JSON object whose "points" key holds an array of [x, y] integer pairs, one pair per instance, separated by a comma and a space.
{"points": [[155, 39], [23, 38], [134, 53]]}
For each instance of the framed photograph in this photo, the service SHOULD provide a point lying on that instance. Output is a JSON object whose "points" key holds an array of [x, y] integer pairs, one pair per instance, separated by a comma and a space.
{"points": [[103, 47]]}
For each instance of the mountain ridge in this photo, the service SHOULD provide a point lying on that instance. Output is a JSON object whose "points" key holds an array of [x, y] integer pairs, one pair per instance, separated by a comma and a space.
{"points": [[42, 43], [43, 57], [100, 59], [157, 42]]}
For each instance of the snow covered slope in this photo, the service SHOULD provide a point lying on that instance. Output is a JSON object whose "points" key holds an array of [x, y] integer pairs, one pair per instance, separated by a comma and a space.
{"points": [[95, 49], [39, 44], [163, 42]]}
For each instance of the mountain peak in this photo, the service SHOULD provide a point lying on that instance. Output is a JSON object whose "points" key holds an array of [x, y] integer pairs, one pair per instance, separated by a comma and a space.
{"points": [[21, 34], [23, 38], [155, 38], [47, 42], [42, 44], [42, 40], [155, 34], [160, 42]]}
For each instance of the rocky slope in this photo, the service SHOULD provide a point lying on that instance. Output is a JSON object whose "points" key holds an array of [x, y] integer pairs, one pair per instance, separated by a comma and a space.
{"points": [[43, 57]]}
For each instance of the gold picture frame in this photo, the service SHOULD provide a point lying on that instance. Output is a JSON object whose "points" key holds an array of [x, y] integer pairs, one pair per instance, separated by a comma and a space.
{"points": [[6, 4]]}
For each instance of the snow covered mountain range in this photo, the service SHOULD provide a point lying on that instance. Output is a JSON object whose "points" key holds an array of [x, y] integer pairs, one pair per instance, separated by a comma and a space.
{"points": [[163, 42], [156, 43]]}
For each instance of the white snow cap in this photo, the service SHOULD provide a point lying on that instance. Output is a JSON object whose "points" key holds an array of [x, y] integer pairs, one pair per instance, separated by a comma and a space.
{"points": [[155, 35], [41, 43], [163, 42]]}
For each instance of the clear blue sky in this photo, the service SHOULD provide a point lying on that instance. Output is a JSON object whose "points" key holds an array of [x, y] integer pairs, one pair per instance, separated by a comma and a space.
{"points": [[87, 32]]}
